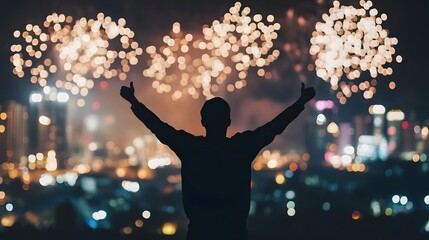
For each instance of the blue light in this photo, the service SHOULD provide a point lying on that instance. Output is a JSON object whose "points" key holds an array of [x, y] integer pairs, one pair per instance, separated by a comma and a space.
{"points": [[289, 174], [91, 223], [388, 172]]}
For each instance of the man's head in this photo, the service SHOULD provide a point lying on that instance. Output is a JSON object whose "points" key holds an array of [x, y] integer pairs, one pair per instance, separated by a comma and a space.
{"points": [[215, 114]]}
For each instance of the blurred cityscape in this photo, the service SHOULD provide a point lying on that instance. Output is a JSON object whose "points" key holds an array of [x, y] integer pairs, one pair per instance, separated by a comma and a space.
{"points": [[352, 166], [355, 179]]}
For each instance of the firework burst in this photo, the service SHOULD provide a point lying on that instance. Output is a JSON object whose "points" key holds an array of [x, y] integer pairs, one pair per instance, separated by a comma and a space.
{"points": [[348, 42], [216, 60], [70, 56]]}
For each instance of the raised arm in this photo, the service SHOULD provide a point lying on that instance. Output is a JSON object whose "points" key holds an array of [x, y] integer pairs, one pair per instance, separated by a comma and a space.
{"points": [[164, 132], [279, 123]]}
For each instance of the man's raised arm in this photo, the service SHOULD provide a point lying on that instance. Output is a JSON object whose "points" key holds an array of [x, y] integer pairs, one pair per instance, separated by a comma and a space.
{"points": [[279, 123], [164, 132]]}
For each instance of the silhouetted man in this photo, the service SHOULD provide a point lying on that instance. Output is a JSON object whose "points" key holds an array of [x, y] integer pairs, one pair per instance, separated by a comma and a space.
{"points": [[216, 170]]}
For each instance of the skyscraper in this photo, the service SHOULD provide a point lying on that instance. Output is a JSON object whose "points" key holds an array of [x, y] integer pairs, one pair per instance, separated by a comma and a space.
{"points": [[13, 132], [48, 118]]}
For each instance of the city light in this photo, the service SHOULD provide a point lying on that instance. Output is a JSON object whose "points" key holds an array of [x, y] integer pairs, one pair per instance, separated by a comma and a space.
{"points": [[131, 186], [63, 97], [92, 146], [395, 115], [321, 119], [395, 199], [377, 109], [403, 200], [36, 97], [290, 204], [324, 104], [138, 223], [290, 194], [9, 207], [280, 178], [333, 128], [99, 215], [46, 180], [158, 162], [8, 220], [146, 214], [326, 206], [51, 161], [349, 150], [291, 212], [356, 215], [44, 120], [169, 228], [3, 116]]}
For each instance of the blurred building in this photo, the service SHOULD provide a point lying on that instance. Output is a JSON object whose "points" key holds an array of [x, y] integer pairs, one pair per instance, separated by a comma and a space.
{"points": [[13, 132], [378, 113], [48, 118], [394, 132], [361, 127], [317, 137]]}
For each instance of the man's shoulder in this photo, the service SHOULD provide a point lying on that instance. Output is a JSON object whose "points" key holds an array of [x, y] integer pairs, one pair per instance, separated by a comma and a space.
{"points": [[241, 135], [189, 136]]}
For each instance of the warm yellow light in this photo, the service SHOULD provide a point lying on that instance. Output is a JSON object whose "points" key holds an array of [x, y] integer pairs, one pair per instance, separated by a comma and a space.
{"points": [[416, 157], [356, 215], [8, 220], [425, 131], [257, 166], [83, 168], [120, 172], [3, 116], [51, 161], [388, 211], [332, 128], [169, 229], [280, 179]]}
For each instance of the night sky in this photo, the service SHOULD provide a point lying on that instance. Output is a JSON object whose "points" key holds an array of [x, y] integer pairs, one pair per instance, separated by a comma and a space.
{"points": [[261, 100]]}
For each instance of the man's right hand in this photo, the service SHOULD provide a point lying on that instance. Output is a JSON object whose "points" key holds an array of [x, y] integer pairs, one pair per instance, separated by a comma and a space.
{"points": [[307, 93], [128, 92]]}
